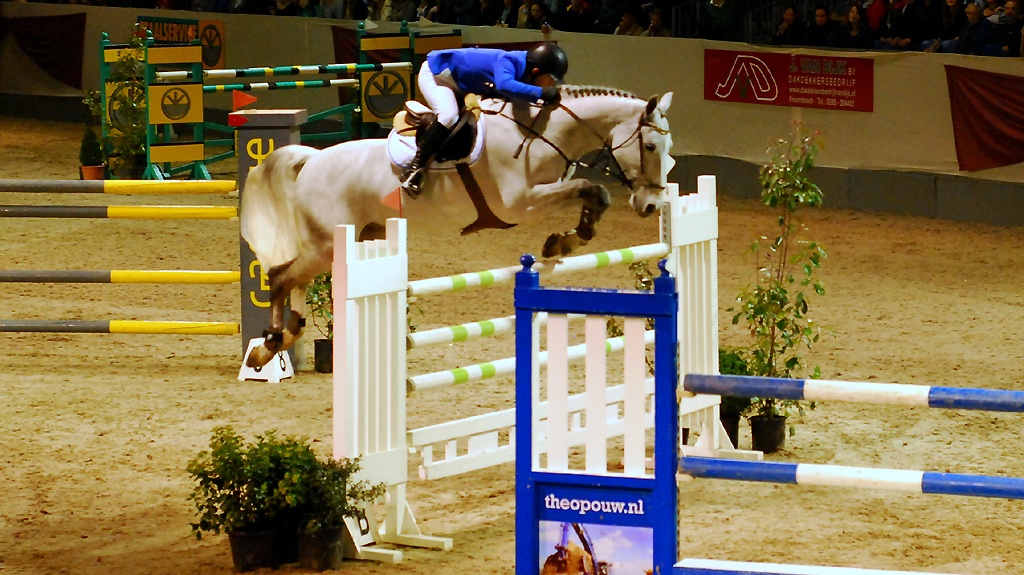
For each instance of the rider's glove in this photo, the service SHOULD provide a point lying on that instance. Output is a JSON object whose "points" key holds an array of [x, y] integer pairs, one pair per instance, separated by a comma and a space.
{"points": [[550, 95]]}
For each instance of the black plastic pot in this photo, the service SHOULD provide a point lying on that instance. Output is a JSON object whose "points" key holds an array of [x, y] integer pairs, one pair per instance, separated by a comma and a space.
{"points": [[321, 551], [767, 434], [252, 550], [323, 355]]}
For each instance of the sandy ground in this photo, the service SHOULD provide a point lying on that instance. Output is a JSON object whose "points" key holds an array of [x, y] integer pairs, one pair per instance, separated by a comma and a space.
{"points": [[97, 429]]}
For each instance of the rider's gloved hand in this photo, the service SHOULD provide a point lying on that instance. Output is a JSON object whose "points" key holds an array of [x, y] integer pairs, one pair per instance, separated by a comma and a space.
{"points": [[550, 95]]}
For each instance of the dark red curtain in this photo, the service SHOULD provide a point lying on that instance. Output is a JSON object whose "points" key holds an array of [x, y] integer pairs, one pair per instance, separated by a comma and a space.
{"points": [[55, 43], [988, 118]]}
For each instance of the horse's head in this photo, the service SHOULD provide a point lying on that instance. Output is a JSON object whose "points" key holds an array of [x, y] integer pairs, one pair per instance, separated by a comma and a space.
{"points": [[647, 170]]}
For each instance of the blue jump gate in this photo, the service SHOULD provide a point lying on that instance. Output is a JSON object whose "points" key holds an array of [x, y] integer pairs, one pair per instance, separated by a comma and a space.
{"points": [[553, 493]]}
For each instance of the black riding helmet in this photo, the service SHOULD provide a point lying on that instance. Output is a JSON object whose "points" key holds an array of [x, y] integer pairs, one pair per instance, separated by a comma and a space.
{"points": [[549, 59]]}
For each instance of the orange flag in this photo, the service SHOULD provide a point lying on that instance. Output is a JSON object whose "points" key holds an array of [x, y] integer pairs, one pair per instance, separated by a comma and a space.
{"points": [[240, 99]]}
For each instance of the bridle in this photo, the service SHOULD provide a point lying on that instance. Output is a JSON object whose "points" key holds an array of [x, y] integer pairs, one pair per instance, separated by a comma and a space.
{"points": [[605, 159]]}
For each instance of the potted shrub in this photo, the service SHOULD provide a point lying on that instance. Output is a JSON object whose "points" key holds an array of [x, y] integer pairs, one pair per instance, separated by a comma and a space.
{"points": [[775, 308], [332, 496], [251, 492], [90, 156], [320, 305], [733, 408]]}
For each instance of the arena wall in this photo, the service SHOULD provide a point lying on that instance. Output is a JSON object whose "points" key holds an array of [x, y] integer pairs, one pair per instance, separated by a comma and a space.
{"points": [[898, 158]]}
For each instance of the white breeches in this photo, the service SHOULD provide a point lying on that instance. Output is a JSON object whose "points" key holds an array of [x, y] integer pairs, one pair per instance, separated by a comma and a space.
{"points": [[439, 94]]}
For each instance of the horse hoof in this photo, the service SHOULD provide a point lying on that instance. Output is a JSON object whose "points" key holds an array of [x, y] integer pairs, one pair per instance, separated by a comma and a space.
{"points": [[551, 246], [259, 356]]}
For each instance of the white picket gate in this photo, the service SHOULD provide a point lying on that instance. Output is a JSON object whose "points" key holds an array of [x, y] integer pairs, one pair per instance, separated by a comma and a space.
{"points": [[371, 381]]}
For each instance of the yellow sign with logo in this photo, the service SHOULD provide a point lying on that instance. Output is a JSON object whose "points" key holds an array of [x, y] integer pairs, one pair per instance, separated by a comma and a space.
{"points": [[175, 103]]}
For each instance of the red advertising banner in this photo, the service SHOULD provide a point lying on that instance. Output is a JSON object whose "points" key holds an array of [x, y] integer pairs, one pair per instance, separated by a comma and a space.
{"points": [[797, 80]]}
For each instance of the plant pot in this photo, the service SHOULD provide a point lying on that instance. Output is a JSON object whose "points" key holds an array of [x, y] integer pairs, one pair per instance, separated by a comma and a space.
{"points": [[731, 423], [767, 434], [91, 172], [321, 551], [323, 355], [252, 550]]}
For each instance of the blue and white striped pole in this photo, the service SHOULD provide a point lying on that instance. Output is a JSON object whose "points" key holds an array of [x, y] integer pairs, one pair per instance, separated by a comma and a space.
{"points": [[927, 482], [857, 392]]}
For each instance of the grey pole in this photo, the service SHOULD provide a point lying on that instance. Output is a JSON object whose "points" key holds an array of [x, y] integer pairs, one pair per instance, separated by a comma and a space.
{"points": [[260, 132]]}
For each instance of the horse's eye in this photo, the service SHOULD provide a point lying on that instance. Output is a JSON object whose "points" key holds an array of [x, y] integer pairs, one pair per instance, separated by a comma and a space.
{"points": [[650, 147]]}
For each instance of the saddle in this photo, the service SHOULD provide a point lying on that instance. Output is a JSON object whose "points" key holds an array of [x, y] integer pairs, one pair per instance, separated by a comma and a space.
{"points": [[461, 149], [463, 145]]}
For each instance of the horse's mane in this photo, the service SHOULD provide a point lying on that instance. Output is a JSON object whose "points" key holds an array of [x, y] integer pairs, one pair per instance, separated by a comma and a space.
{"points": [[584, 91]]}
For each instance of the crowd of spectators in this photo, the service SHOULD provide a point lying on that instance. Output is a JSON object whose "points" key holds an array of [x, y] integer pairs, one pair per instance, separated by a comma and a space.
{"points": [[984, 28], [978, 27]]}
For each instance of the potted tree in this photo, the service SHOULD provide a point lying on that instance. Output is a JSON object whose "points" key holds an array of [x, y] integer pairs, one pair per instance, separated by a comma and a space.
{"points": [[732, 408], [320, 304], [125, 119], [774, 309], [251, 492], [92, 161], [332, 496]]}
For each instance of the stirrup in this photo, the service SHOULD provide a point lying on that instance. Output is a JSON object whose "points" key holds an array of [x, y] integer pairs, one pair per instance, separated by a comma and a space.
{"points": [[413, 183]]}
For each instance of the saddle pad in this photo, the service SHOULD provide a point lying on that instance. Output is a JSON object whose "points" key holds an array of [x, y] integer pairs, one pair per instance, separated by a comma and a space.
{"points": [[402, 149]]}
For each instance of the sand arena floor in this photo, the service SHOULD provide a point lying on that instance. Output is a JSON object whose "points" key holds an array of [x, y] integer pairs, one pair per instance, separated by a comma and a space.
{"points": [[97, 429]]}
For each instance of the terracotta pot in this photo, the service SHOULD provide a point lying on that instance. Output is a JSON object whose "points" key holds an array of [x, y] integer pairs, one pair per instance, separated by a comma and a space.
{"points": [[92, 172]]}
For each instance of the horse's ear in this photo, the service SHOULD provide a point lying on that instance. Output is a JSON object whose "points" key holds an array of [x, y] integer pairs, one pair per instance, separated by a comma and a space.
{"points": [[651, 105], [665, 102]]}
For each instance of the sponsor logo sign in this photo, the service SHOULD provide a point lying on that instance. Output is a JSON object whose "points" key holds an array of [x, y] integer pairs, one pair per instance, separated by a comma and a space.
{"points": [[777, 79]]}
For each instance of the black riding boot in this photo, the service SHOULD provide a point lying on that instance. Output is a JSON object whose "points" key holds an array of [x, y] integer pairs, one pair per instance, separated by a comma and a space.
{"points": [[429, 143]]}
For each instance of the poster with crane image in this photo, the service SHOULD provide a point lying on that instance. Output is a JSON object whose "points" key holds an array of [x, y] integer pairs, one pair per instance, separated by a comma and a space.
{"points": [[595, 549]]}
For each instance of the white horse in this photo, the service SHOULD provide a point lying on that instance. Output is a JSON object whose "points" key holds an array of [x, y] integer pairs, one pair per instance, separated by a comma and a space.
{"points": [[292, 201]]}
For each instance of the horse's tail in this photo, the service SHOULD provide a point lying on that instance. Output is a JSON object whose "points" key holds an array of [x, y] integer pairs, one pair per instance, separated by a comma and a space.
{"points": [[268, 216]]}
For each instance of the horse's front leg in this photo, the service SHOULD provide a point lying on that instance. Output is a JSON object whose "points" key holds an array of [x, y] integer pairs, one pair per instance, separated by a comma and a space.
{"points": [[596, 200]]}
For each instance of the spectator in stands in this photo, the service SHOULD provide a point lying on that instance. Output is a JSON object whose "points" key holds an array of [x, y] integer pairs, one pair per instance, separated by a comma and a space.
{"points": [[308, 8], [510, 14], [857, 33], [282, 8], [721, 20], [657, 27], [992, 8], [628, 26], [427, 9], [336, 9], [575, 17], [876, 11], [792, 31], [896, 34], [824, 31], [923, 21], [402, 10], [524, 13], [538, 16], [481, 13], [953, 21], [1008, 30], [977, 37], [609, 15]]}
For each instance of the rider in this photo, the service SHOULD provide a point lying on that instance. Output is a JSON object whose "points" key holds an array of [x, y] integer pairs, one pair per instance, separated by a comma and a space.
{"points": [[447, 74]]}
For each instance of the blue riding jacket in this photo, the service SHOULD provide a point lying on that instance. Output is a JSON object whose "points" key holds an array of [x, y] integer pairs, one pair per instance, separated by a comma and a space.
{"points": [[473, 68]]}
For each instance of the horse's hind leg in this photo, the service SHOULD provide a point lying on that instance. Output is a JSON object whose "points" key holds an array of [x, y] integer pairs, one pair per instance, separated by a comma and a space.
{"points": [[596, 200], [284, 279]]}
